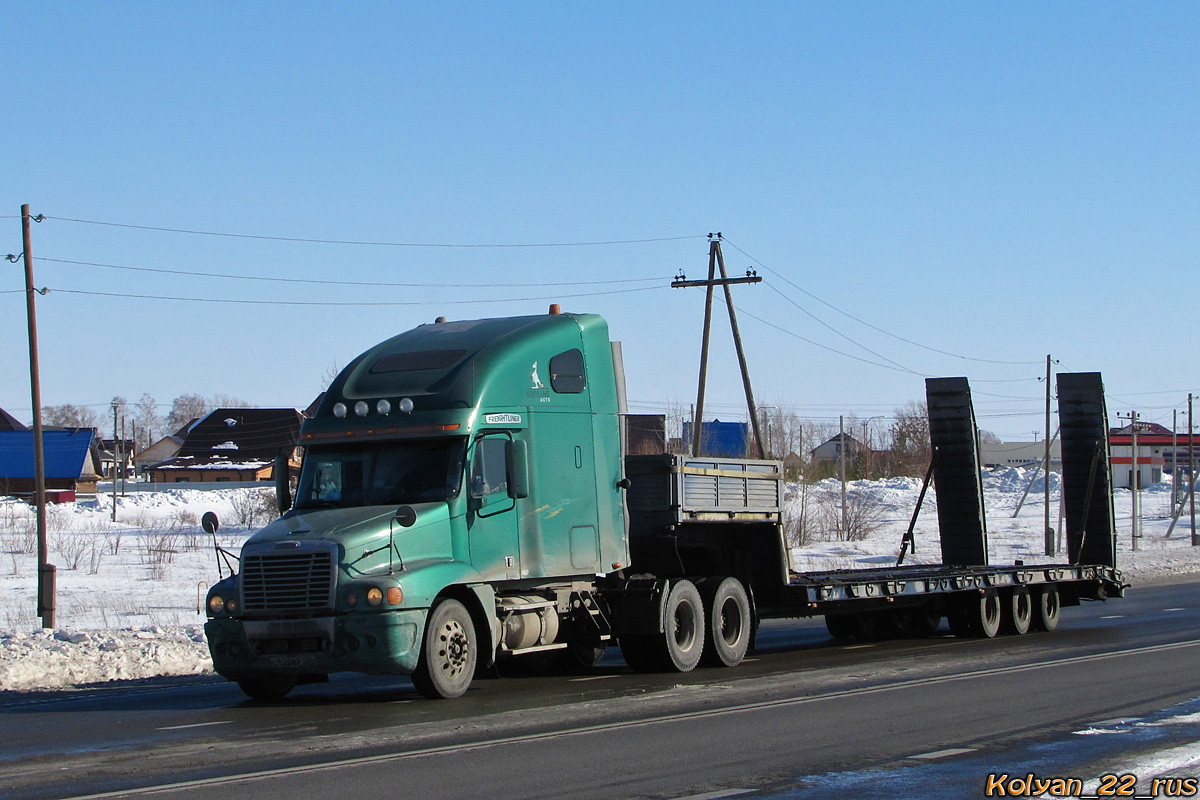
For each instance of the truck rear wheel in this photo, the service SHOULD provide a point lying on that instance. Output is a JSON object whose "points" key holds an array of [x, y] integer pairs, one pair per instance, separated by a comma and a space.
{"points": [[448, 656], [1045, 608], [727, 634], [683, 637], [269, 687], [1018, 611]]}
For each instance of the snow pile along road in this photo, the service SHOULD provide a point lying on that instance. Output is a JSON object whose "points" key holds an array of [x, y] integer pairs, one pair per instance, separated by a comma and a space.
{"points": [[43, 659]]}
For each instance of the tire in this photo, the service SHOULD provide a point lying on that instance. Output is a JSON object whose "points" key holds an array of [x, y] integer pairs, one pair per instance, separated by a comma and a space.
{"points": [[683, 634], [639, 652], [840, 626], [1018, 612], [977, 615], [727, 634], [268, 688], [922, 622], [1046, 607], [448, 655], [582, 654]]}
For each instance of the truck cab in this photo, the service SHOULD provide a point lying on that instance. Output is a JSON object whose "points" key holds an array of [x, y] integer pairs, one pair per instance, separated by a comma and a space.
{"points": [[460, 491]]}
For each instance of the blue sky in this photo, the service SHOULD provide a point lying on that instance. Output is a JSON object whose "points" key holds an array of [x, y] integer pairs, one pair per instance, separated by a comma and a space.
{"points": [[995, 181]]}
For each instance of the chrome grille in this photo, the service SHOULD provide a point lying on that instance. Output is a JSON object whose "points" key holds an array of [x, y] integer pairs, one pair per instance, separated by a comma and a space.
{"points": [[288, 581]]}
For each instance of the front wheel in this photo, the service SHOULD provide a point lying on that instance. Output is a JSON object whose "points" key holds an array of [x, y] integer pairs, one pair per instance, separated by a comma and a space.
{"points": [[269, 687], [448, 655]]}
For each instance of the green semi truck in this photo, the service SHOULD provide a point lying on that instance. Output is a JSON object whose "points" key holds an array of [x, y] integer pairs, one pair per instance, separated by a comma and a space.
{"points": [[464, 497]]}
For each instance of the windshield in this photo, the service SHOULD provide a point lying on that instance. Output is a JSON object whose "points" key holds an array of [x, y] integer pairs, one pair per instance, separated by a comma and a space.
{"points": [[381, 473]]}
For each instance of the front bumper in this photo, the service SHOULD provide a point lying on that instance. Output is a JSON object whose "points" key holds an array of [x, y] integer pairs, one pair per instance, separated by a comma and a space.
{"points": [[383, 643]]}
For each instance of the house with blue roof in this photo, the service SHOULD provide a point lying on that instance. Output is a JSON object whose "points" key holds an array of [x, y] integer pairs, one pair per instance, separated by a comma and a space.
{"points": [[69, 456]]}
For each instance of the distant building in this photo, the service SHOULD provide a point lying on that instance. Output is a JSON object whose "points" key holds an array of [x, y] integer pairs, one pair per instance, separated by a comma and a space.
{"points": [[721, 439], [831, 449], [1157, 451], [233, 444], [9, 423], [1021, 454], [69, 459]]}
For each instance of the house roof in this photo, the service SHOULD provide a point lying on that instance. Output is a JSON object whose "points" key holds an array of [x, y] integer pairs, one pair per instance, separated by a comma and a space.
{"points": [[64, 453], [10, 423], [237, 438]]}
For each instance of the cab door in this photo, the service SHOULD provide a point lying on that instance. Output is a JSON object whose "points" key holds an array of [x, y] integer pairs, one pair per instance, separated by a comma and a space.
{"points": [[491, 511]]}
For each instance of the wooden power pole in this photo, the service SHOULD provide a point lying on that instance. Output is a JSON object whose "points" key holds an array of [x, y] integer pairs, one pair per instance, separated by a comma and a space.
{"points": [[46, 575], [717, 260]]}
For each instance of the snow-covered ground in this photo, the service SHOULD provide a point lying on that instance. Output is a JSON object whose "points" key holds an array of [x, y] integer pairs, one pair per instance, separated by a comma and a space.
{"points": [[130, 592]]}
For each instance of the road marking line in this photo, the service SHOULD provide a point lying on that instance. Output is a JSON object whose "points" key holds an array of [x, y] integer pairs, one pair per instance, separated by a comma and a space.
{"points": [[719, 793], [592, 678], [666, 719], [952, 751], [1110, 616], [857, 646], [1174, 609], [196, 725]]}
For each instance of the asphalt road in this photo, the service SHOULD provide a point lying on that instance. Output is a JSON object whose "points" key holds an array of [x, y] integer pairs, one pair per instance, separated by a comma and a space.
{"points": [[802, 718]]}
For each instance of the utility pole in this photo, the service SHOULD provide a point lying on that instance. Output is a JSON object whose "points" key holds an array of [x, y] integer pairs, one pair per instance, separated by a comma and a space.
{"points": [[1046, 463], [717, 259], [46, 574], [1174, 459], [1136, 480], [842, 468], [1192, 473], [114, 463]]}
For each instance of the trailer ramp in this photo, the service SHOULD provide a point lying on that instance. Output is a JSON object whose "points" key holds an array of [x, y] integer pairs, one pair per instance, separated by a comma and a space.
{"points": [[956, 473], [1087, 491]]}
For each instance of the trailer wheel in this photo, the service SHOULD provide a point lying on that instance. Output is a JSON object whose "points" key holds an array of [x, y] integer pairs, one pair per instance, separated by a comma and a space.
{"points": [[1045, 608], [269, 687], [727, 635], [840, 626], [977, 615], [922, 622], [683, 636], [448, 656], [1018, 611]]}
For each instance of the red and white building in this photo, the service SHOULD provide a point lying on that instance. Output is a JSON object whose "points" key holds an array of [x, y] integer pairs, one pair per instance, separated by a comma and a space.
{"points": [[1158, 450]]}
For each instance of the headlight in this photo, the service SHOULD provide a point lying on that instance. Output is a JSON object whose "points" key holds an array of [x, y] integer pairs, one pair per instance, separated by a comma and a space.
{"points": [[374, 595], [216, 604], [352, 600], [231, 606]]}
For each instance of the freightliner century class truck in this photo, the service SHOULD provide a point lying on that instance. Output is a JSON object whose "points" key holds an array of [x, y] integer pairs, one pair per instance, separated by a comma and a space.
{"points": [[464, 497]]}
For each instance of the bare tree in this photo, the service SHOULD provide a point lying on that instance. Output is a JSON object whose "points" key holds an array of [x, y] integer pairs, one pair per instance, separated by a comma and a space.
{"points": [[910, 440], [227, 401], [69, 416], [149, 423], [184, 409]]}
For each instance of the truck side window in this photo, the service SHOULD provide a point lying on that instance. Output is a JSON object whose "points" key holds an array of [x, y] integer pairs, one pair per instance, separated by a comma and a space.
{"points": [[566, 372], [488, 471]]}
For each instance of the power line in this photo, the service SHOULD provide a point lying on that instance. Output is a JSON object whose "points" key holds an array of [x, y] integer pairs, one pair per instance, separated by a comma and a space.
{"points": [[826, 347], [233, 276], [351, 304], [869, 325], [820, 321], [368, 243]]}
